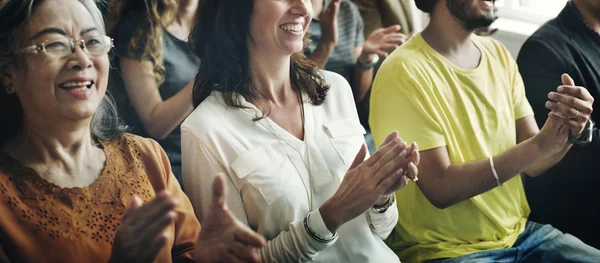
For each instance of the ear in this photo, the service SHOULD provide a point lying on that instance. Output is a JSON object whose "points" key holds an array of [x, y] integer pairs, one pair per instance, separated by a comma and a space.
{"points": [[6, 72]]}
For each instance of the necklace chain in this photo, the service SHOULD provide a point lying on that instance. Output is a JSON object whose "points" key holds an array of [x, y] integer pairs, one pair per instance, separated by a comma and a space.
{"points": [[308, 189]]}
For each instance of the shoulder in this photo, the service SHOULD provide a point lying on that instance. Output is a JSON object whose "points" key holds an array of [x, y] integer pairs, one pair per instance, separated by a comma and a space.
{"points": [[549, 40], [339, 88], [130, 145], [492, 46]]}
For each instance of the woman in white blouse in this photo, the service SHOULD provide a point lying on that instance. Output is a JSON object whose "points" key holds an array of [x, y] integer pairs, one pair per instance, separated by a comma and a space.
{"points": [[287, 136]]}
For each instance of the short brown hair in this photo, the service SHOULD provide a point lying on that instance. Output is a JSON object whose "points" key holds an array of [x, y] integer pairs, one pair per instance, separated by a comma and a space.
{"points": [[425, 5]]}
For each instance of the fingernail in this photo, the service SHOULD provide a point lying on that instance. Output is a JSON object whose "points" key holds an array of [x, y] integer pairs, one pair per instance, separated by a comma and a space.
{"points": [[560, 89], [548, 104], [551, 95]]}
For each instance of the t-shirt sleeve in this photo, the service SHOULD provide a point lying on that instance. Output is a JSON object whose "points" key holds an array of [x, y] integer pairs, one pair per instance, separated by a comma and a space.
{"points": [[402, 101], [125, 33], [521, 106], [360, 25]]}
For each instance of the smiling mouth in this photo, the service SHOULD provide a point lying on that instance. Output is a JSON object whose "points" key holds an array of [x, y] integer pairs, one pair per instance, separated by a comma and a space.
{"points": [[77, 85], [294, 28]]}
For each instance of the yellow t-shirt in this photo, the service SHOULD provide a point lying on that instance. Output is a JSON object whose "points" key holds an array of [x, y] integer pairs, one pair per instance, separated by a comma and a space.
{"points": [[472, 112]]}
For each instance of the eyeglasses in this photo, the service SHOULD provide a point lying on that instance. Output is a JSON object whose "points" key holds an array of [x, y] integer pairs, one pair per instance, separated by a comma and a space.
{"points": [[93, 46]]}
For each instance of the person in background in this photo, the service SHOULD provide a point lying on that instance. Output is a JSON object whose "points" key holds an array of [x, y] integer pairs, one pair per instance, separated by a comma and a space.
{"points": [[384, 13], [567, 195], [287, 135], [338, 45], [73, 186], [464, 100], [154, 68]]}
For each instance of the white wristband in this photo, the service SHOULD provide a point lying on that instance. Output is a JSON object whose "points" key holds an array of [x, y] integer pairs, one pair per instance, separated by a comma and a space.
{"points": [[494, 171]]}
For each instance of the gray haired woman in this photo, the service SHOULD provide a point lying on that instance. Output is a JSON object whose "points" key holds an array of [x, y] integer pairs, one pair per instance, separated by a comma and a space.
{"points": [[73, 186]]}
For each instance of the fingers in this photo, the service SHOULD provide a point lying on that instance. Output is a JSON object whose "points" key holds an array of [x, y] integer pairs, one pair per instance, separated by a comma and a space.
{"points": [[154, 210], [243, 253], [360, 157], [134, 206], [219, 192], [390, 162], [382, 151], [248, 237], [567, 80], [393, 135], [157, 226], [415, 156], [151, 251], [413, 172], [391, 29], [569, 101], [388, 182]]}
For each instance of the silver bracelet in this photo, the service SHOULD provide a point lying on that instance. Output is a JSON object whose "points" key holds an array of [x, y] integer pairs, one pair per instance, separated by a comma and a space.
{"points": [[314, 235], [383, 208], [496, 177]]}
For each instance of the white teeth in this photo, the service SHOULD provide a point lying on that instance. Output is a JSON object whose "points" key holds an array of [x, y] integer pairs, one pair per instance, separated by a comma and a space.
{"points": [[83, 84], [294, 28]]}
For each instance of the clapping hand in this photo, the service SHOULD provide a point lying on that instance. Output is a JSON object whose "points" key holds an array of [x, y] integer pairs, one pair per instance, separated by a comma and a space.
{"points": [[223, 238]]}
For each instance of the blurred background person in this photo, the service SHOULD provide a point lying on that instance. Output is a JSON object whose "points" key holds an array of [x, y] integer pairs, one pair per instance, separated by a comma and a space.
{"points": [[338, 45], [154, 68]]}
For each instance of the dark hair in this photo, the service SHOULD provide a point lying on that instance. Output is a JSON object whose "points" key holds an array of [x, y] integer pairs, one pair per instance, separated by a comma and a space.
{"points": [[220, 40], [425, 5], [105, 124]]}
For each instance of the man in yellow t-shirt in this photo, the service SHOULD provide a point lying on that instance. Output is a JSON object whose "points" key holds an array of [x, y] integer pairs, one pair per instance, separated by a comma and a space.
{"points": [[461, 98]]}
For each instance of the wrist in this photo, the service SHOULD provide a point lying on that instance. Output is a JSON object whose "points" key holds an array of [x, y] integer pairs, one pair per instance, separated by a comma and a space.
{"points": [[331, 216], [382, 200], [366, 58]]}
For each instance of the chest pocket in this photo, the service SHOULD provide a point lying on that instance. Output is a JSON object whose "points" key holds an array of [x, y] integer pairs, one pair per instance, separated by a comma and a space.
{"points": [[259, 168], [346, 137]]}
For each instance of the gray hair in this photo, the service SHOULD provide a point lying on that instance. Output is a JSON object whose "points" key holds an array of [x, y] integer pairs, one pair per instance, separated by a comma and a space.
{"points": [[14, 14]]}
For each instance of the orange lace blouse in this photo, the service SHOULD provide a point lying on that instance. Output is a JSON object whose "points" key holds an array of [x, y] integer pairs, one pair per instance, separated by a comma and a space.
{"points": [[41, 222]]}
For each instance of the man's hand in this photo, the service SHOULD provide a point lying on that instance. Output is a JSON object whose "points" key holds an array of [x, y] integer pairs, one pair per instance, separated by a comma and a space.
{"points": [[572, 104]]}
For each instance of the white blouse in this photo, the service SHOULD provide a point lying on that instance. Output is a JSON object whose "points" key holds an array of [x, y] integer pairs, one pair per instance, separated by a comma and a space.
{"points": [[270, 186]]}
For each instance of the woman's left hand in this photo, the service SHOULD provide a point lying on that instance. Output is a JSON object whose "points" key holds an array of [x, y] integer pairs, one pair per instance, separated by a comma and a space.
{"points": [[573, 104], [223, 238], [383, 41], [413, 157]]}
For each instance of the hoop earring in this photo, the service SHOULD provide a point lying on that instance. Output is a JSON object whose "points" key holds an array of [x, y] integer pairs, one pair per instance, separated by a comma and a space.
{"points": [[10, 90]]}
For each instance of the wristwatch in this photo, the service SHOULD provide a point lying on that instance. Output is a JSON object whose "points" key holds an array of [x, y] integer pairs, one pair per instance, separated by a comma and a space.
{"points": [[370, 64], [587, 135], [384, 207]]}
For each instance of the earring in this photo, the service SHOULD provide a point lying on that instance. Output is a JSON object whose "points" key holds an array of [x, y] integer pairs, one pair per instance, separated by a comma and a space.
{"points": [[9, 89]]}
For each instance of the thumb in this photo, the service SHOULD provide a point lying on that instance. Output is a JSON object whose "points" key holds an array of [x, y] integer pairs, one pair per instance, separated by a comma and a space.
{"points": [[567, 80], [360, 157], [219, 191], [134, 206]]}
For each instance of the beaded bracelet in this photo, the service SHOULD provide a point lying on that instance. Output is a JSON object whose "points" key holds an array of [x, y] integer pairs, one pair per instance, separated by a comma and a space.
{"points": [[315, 235]]}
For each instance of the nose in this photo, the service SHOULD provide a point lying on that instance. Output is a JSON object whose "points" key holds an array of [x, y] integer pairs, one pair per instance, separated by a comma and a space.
{"points": [[79, 59], [301, 8]]}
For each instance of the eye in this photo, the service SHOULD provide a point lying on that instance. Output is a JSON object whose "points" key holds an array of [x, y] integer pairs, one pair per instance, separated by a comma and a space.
{"points": [[57, 45]]}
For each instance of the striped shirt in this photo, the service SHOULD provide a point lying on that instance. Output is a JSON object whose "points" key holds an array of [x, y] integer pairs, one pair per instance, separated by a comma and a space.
{"points": [[350, 36]]}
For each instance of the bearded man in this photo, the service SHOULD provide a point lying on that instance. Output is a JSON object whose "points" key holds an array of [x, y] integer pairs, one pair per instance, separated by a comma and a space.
{"points": [[462, 99]]}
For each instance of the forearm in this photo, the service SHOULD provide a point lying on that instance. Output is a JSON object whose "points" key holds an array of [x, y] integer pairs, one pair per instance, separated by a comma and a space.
{"points": [[167, 115], [321, 54], [363, 78], [545, 164], [460, 182]]}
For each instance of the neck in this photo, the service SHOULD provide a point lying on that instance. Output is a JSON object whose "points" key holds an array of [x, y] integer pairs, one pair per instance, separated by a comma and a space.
{"points": [[317, 6], [271, 76], [186, 12], [590, 14], [52, 142], [445, 34]]}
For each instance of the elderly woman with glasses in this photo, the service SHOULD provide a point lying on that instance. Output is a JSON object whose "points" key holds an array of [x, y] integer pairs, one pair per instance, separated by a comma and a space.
{"points": [[73, 186]]}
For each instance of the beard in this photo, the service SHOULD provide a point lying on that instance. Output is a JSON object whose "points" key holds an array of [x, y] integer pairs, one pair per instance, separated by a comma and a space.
{"points": [[466, 15]]}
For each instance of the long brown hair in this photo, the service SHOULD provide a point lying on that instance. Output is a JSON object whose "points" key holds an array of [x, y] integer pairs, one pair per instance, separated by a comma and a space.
{"points": [[220, 40], [149, 36]]}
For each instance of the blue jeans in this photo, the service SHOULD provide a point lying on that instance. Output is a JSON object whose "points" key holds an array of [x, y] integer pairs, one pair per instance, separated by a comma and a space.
{"points": [[537, 244]]}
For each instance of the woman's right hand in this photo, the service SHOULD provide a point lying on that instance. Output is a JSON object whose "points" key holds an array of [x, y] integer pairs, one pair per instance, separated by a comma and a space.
{"points": [[141, 235], [366, 181]]}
